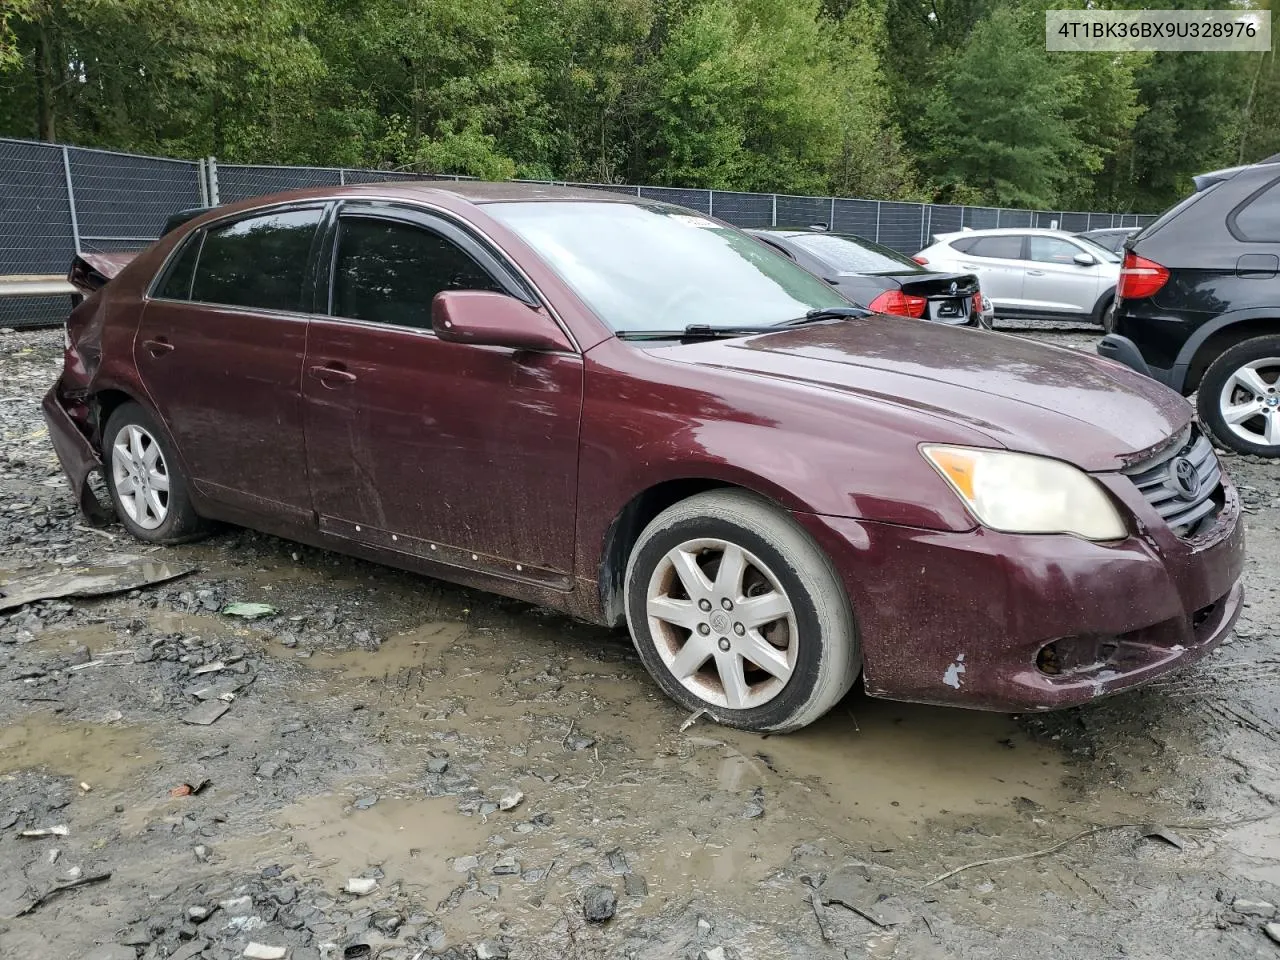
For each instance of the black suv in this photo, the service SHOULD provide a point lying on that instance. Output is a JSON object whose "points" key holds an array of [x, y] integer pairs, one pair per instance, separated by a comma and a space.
{"points": [[1198, 305]]}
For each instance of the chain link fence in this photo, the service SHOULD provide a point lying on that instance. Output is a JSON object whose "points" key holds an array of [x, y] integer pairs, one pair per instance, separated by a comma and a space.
{"points": [[56, 201]]}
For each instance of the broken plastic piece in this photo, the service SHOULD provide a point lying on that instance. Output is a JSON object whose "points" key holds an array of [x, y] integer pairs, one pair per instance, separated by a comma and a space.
{"points": [[249, 611]]}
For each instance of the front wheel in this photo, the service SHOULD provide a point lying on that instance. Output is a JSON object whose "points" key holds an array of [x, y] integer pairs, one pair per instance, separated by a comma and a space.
{"points": [[734, 609], [1239, 397]]}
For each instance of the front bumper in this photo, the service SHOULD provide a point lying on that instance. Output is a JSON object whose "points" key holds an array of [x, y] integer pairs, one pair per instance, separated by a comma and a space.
{"points": [[965, 618], [76, 453]]}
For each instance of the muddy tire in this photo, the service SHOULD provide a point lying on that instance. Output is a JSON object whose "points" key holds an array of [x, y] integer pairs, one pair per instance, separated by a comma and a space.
{"points": [[1239, 397], [146, 485], [735, 610]]}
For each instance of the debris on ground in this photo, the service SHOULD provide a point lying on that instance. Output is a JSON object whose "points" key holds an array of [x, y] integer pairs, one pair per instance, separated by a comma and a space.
{"points": [[248, 611], [599, 903], [206, 713], [89, 582], [852, 887], [510, 799], [61, 888], [1156, 831], [189, 789], [361, 886], [61, 830]]}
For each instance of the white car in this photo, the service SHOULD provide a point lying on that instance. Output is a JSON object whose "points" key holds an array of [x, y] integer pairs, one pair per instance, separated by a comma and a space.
{"points": [[1030, 273]]}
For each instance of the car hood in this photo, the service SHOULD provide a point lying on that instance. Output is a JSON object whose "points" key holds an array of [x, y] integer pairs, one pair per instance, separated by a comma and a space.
{"points": [[1025, 396]]}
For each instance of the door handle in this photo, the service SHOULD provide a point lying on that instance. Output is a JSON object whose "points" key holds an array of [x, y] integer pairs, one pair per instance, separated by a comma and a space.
{"points": [[331, 376], [158, 347], [1035, 273]]}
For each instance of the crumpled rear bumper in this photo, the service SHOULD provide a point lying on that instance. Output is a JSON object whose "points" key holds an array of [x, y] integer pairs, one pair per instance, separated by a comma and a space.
{"points": [[75, 452]]}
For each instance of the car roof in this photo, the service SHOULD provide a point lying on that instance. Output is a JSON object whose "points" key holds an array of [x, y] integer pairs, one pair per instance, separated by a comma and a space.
{"points": [[1002, 232]]}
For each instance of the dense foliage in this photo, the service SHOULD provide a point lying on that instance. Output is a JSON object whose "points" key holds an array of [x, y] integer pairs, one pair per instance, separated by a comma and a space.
{"points": [[909, 99]]}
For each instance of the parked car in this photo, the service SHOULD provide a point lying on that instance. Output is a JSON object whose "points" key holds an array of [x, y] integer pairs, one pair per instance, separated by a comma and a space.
{"points": [[636, 414], [882, 279], [1109, 238], [1031, 274], [1199, 306]]}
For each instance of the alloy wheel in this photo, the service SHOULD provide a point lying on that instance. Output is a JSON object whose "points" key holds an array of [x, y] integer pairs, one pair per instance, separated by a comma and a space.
{"points": [[1250, 402], [722, 623], [140, 476]]}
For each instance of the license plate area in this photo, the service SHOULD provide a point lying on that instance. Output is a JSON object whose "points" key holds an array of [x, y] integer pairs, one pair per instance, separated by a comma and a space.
{"points": [[951, 310]]}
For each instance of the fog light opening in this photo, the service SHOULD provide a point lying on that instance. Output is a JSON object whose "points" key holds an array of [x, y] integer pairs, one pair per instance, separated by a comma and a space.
{"points": [[1072, 655]]}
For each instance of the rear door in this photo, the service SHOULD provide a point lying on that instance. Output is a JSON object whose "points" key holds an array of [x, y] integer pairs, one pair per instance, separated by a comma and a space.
{"points": [[461, 454], [220, 348], [1055, 282], [997, 261]]}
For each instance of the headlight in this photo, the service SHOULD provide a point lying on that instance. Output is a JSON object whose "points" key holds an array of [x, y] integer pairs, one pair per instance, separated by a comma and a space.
{"points": [[1021, 493]]}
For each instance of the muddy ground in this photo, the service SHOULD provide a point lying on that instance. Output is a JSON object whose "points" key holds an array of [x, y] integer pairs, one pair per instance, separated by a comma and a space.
{"points": [[381, 724]]}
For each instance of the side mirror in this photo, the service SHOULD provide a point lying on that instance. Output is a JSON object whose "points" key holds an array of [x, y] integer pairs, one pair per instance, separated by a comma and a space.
{"points": [[488, 319], [1085, 259]]}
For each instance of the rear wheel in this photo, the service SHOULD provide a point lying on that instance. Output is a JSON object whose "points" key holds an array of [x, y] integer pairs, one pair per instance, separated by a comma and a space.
{"points": [[1239, 397], [735, 610], [146, 486]]}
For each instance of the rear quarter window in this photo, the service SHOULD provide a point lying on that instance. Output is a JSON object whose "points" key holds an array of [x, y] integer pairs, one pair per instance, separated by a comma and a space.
{"points": [[176, 282], [1258, 218], [1000, 248]]}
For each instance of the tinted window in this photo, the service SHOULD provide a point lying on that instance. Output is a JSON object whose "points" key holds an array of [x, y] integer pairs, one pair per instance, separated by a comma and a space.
{"points": [[963, 245], [1006, 248], [855, 255], [389, 272], [1051, 250], [176, 284], [1260, 220], [648, 266], [259, 262]]}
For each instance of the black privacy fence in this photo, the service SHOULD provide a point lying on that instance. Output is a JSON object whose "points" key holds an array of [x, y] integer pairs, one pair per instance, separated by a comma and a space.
{"points": [[56, 201]]}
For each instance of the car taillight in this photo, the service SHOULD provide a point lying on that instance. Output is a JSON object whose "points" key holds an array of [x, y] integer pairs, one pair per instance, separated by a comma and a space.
{"points": [[923, 261], [977, 300], [1140, 277], [898, 303]]}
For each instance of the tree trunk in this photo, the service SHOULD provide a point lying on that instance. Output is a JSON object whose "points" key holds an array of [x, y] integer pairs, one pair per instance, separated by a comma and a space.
{"points": [[46, 81], [1248, 109]]}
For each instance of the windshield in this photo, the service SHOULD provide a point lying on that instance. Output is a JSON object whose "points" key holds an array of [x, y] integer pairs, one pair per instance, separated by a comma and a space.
{"points": [[847, 254], [1099, 251], [644, 266]]}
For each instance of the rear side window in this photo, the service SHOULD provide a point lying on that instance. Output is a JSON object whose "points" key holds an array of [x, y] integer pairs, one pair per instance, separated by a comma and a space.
{"points": [[176, 284], [1003, 248], [259, 262], [1051, 250], [963, 245], [389, 272], [1259, 219]]}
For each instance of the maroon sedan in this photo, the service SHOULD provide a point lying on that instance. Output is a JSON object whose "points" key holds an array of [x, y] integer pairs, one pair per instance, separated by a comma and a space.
{"points": [[630, 412]]}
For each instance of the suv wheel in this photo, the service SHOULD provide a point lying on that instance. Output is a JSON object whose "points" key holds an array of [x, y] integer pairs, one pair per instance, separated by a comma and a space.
{"points": [[1239, 398], [146, 487], [735, 610]]}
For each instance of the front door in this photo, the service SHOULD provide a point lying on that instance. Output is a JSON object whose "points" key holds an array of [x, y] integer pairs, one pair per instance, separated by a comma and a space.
{"points": [[1055, 282], [220, 349], [462, 454]]}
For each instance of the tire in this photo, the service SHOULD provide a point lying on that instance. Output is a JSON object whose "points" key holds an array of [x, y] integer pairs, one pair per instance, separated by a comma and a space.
{"points": [[144, 480], [1239, 397], [1107, 316], [812, 649]]}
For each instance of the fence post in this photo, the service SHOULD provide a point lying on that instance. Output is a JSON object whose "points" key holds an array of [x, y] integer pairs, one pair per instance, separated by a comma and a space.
{"points": [[212, 166], [831, 224], [711, 203], [202, 183], [877, 221], [71, 200], [773, 214], [342, 176]]}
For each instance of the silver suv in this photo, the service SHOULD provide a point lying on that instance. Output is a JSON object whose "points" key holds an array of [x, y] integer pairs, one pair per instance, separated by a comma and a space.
{"points": [[1031, 273]]}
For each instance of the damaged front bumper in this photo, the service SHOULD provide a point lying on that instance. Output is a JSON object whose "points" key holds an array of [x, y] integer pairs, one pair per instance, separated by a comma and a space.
{"points": [[1021, 623], [68, 422]]}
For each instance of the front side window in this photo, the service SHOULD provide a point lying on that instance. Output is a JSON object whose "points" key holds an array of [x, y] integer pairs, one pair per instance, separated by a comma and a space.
{"points": [[1260, 220], [1000, 248], [259, 262], [1052, 250], [389, 272], [651, 267]]}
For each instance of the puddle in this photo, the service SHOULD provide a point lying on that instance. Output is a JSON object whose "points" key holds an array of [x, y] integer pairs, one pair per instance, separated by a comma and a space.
{"points": [[417, 648], [98, 754], [412, 840]]}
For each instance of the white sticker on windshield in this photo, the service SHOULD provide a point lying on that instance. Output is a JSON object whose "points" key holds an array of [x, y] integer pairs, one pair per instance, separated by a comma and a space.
{"points": [[693, 220]]}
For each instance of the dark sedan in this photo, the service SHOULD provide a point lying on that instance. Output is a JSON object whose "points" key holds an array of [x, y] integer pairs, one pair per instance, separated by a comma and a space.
{"points": [[636, 414], [882, 279]]}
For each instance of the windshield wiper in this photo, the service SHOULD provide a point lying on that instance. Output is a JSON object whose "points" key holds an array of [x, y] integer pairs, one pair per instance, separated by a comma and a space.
{"points": [[826, 313], [695, 331]]}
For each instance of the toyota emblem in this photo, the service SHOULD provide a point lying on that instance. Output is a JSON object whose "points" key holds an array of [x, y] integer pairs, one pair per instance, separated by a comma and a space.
{"points": [[1185, 478]]}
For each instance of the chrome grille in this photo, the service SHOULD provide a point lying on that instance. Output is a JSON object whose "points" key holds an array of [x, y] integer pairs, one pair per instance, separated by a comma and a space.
{"points": [[1169, 493]]}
